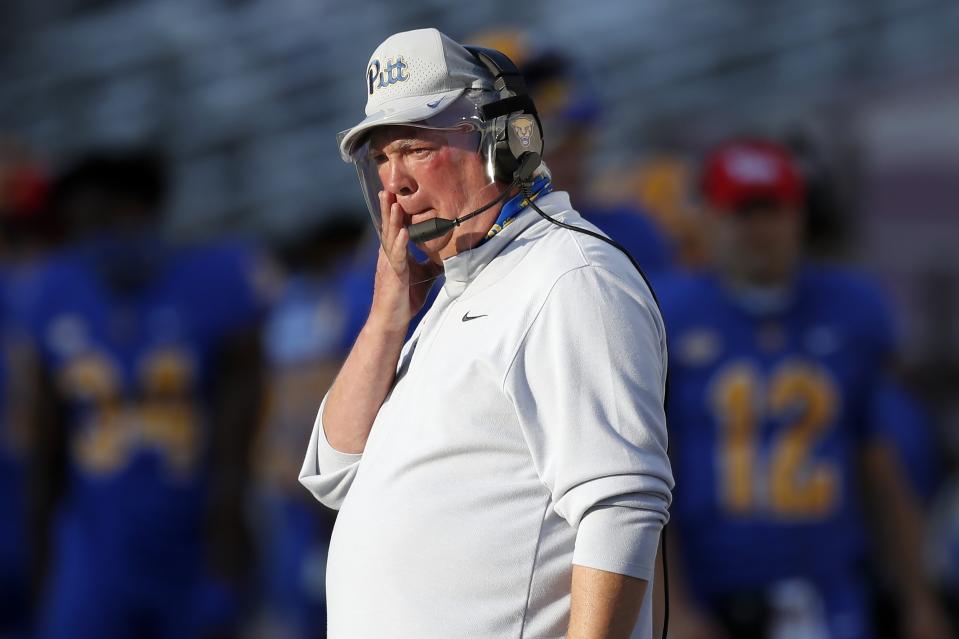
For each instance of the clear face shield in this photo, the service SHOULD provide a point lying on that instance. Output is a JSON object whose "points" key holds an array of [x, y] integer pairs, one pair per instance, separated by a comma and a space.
{"points": [[436, 169]]}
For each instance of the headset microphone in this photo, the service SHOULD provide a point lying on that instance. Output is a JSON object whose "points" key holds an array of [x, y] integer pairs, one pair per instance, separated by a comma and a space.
{"points": [[438, 227], [430, 229]]}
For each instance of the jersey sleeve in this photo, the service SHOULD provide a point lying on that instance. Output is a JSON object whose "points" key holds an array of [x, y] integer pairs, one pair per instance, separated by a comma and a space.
{"points": [[877, 346], [29, 305], [587, 384], [881, 329], [900, 421]]}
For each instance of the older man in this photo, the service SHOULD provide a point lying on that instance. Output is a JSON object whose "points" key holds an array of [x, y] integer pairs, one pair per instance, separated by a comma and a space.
{"points": [[502, 473]]}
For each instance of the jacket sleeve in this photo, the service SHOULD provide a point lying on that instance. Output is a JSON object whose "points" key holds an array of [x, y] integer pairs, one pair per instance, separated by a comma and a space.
{"points": [[587, 383], [327, 472]]}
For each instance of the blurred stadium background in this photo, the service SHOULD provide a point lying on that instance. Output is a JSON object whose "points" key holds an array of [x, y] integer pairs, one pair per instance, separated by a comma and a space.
{"points": [[245, 98]]}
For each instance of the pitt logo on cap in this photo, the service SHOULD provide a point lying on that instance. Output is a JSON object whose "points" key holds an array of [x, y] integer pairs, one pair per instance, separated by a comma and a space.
{"points": [[377, 78], [523, 128]]}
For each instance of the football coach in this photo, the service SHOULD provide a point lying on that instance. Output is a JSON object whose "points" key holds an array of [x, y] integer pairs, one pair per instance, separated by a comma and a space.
{"points": [[503, 471]]}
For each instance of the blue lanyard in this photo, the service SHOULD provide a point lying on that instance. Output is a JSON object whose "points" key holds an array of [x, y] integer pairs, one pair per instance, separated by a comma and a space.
{"points": [[513, 206]]}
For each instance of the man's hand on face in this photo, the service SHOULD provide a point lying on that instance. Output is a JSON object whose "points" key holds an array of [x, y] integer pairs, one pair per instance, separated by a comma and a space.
{"points": [[402, 283]]}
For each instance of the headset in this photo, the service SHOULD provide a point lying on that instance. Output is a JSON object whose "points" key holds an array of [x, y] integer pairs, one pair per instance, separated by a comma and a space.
{"points": [[518, 148], [523, 131], [518, 154]]}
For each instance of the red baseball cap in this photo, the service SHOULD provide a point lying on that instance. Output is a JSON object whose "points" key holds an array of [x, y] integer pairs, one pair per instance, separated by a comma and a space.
{"points": [[740, 172]]}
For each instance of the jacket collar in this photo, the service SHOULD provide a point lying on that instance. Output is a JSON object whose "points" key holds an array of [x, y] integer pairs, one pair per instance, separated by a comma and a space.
{"points": [[463, 268]]}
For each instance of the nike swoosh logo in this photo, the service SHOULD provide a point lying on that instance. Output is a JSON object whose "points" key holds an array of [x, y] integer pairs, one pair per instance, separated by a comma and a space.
{"points": [[434, 103], [467, 317]]}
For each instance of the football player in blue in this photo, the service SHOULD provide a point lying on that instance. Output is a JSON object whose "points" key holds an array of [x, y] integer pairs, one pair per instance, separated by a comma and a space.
{"points": [[14, 573], [773, 367], [320, 309], [150, 388], [25, 234]]}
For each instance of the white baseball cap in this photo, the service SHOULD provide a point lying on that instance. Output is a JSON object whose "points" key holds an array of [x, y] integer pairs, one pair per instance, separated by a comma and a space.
{"points": [[412, 76]]}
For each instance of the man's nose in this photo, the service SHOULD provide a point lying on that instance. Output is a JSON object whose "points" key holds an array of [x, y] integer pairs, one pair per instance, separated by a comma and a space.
{"points": [[398, 179]]}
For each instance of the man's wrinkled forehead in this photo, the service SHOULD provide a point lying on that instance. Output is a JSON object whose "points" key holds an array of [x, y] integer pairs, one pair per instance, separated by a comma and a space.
{"points": [[399, 135], [383, 136]]}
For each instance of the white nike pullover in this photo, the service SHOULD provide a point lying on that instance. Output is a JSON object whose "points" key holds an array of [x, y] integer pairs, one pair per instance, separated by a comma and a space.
{"points": [[525, 432]]}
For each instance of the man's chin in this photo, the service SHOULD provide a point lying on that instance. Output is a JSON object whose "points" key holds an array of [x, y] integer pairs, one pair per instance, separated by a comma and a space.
{"points": [[431, 251]]}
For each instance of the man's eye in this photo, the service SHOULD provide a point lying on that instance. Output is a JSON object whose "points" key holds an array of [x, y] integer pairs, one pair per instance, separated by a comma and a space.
{"points": [[379, 158], [420, 151]]}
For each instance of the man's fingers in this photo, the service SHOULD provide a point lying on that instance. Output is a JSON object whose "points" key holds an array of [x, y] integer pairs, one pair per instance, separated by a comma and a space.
{"points": [[393, 235], [391, 217], [386, 226], [401, 242], [397, 239]]}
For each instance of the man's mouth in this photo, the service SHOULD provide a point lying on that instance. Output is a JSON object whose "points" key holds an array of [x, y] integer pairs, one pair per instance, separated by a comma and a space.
{"points": [[421, 216]]}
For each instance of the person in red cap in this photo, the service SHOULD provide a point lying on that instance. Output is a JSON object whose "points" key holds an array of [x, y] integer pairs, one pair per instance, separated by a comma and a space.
{"points": [[754, 191], [774, 368]]}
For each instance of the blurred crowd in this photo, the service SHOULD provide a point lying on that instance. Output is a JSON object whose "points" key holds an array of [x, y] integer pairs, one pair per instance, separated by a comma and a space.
{"points": [[158, 394]]}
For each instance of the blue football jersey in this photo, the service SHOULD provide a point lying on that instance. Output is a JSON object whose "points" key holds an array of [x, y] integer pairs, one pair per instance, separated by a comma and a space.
{"points": [[136, 373], [766, 411]]}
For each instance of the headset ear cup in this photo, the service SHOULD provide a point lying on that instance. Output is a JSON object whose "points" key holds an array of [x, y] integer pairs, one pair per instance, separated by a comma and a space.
{"points": [[506, 164], [523, 134]]}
